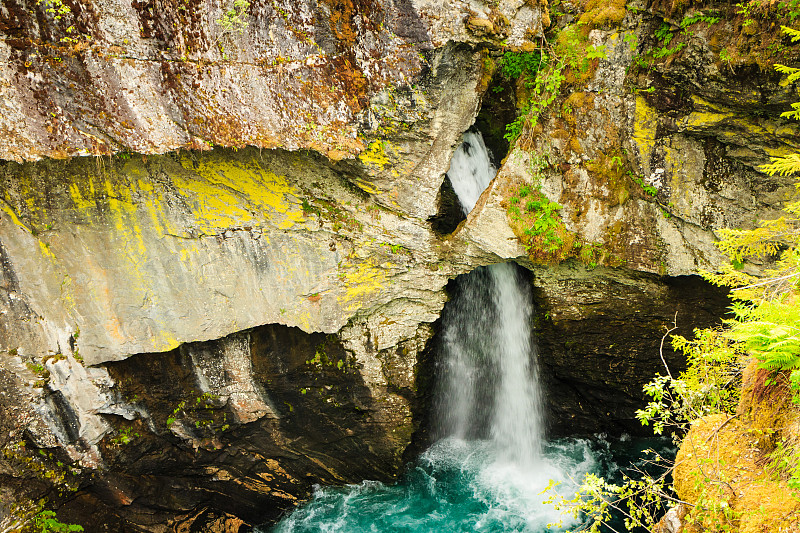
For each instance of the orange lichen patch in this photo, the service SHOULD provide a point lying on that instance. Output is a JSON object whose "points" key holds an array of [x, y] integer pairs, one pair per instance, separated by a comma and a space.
{"points": [[494, 27], [575, 104], [766, 405], [480, 27], [353, 81], [609, 172], [545, 10], [719, 469], [341, 20]]}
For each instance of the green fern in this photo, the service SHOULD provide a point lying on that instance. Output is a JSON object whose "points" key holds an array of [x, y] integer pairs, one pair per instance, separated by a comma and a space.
{"points": [[785, 166], [793, 34]]}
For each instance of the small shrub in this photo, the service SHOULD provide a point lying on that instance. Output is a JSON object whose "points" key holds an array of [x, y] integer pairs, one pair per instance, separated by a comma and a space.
{"points": [[514, 65]]}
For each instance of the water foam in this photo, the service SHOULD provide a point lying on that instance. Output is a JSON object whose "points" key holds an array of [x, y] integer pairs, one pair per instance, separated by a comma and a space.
{"points": [[489, 468]]}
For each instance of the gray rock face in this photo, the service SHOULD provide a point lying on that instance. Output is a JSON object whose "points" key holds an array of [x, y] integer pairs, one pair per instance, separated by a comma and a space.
{"points": [[600, 333], [649, 177], [153, 77], [104, 258], [141, 257], [254, 317]]}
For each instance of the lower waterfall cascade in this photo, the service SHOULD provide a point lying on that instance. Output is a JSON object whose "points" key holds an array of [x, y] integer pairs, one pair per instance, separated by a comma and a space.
{"points": [[488, 383], [490, 463]]}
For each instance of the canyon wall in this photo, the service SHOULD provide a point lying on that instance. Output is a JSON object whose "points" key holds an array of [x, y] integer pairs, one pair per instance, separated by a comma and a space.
{"points": [[225, 246]]}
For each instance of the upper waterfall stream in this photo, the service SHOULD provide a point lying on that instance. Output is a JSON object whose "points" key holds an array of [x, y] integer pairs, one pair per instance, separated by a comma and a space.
{"points": [[490, 463]]}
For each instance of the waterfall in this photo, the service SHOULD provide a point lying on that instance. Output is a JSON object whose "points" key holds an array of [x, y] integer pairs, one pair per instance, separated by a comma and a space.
{"points": [[488, 382], [471, 170], [489, 466]]}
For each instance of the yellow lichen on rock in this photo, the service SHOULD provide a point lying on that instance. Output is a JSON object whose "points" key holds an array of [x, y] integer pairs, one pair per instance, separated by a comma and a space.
{"points": [[381, 156], [230, 193], [644, 129], [360, 281]]}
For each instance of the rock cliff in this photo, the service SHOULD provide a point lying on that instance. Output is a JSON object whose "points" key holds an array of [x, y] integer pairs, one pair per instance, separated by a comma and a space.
{"points": [[226, 236]]}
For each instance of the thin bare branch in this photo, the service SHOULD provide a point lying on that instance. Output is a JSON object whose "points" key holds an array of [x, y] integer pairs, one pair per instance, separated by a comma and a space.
{"points": [[661, 348]]}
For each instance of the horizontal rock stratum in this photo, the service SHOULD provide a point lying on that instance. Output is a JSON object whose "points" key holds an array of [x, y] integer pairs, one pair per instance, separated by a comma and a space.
{"points": [[225, 242]]}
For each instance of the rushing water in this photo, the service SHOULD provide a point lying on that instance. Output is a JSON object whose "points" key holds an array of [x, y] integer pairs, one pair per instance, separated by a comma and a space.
{"points": [[459, 486], [490, 464], [487, 376], [488, 383]]}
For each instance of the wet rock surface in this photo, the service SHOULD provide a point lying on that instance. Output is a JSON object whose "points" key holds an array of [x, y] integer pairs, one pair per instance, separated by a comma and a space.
{"points": [[599, 335], [195, 440], [598, 339], [202, 335]]}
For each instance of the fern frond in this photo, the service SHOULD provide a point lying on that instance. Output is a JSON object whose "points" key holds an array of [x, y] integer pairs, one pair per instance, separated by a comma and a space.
{"points": [[793, 74], [727, 277], [783, 166], [794, 113], [792, 33]]}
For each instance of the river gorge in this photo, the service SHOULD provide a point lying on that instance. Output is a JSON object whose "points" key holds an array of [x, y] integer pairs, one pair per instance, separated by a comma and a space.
{"points": [[339, 265]]}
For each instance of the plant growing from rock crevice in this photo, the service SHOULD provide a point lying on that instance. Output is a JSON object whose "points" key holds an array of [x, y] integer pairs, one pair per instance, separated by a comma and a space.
{"points": [[738, 467]]}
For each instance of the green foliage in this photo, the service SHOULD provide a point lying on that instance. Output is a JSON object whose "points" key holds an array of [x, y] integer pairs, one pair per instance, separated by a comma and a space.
{"points": [[201, 411], [632, 41], [793, 34], [710, 385], [41, 464], [591, 503], [124, 436], [56, 8], [770, 330], [545, 73], [525, 66], [765, 325], [755, 9], [535, 218], [175, 413], [546, 219], [766, 316], [544, 90], [37, 369], [46, 522], [514, 128], [649, 189], [514, 65], [596, 52], [32, 517], [664, 34], [664, 51], [569, 58], [234, 20], [698, 17], [641, 500], [60, 10], [785, 459]]}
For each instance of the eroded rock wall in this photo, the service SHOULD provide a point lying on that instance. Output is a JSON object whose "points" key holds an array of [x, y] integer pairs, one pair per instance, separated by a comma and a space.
{"points": [[150, 77], [161, 316], [651, 150], [107, 257], [600, 341], [249, 422]]}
